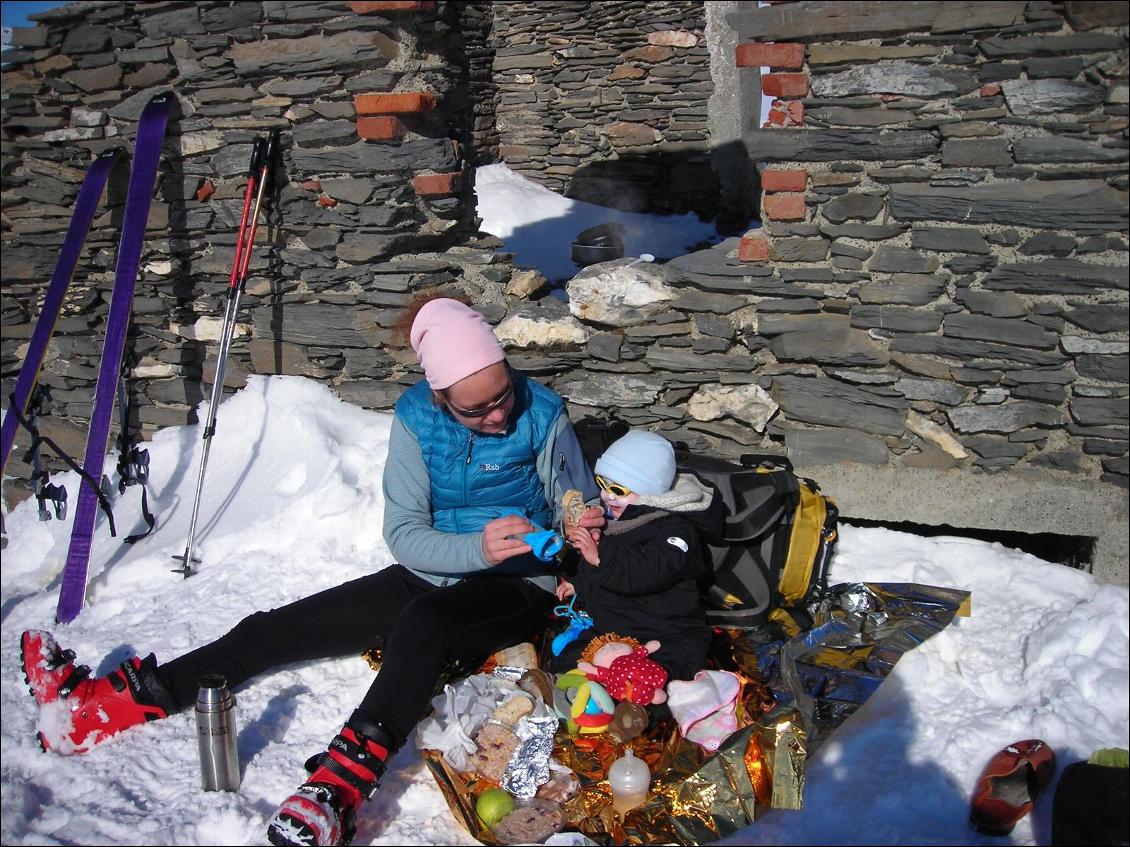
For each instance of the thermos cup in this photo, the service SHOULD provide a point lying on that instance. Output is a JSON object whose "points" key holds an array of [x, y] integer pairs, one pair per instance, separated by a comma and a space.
{"points": [[215, 730]]}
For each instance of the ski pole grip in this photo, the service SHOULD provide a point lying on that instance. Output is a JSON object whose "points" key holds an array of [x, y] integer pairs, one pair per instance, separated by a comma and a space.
{"points": [[269, 152], [256, 157]]}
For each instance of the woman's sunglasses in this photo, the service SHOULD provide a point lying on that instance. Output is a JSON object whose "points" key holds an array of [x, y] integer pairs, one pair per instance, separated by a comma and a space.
{"points": [[485, 410], [612, 487]]}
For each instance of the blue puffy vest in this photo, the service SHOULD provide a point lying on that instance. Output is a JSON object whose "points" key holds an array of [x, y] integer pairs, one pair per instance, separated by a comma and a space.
{"points": [[476, 477]]}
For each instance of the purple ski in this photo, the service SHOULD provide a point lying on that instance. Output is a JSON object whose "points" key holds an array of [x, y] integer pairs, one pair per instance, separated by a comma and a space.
{"points": [[143, 177], [85, 206]]}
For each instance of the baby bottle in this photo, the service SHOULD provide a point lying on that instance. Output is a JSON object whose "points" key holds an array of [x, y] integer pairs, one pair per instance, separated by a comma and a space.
{"points": [[629, 779]]}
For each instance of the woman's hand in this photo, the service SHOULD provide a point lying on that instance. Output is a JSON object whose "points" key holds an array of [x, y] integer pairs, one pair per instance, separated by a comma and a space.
{"points": [[565, 590], [502, 538], [582, 539]]}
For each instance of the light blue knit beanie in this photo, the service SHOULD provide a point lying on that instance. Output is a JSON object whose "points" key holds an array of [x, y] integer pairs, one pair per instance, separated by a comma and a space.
{"points": [[641, 461]]}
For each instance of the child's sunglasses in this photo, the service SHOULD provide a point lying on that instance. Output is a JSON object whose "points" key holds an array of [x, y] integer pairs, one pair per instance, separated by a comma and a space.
{"points": [[612, 487]]}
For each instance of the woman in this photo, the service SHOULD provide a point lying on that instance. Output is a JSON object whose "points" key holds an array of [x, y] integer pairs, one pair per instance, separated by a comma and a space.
{"points": [[476, 439]]}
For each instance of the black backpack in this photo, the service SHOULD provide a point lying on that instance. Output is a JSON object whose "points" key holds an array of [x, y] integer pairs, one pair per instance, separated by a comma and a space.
{"points": [[771, 564]]}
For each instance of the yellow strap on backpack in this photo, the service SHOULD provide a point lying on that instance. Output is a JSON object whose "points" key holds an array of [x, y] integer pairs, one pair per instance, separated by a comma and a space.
{"points": [[804, 544], [788, 625]]}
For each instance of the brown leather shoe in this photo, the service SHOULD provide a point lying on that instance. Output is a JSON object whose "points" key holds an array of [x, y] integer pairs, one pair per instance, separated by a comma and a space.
{"points": [[1008, 786]]}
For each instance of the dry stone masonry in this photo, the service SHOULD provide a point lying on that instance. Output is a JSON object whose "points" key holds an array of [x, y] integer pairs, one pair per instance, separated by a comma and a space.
{"points": [[372, 99], [945, 184], [606, 102], [931, 316]]}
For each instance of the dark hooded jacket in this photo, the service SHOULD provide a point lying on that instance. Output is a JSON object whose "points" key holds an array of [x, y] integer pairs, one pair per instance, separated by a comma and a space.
{"points": [[646, 584]]}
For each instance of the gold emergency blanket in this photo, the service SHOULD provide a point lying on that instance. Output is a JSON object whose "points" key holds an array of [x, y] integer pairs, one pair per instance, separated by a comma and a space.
{"points": [[796, 691]]}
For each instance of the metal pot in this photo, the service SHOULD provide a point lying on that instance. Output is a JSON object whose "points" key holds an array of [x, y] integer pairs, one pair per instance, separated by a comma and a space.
{"points": [[584, 255], [600, 243]]}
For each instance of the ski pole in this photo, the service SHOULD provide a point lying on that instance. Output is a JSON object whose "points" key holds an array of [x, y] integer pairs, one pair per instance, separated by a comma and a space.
{"points": [[264, 177], [235, 289], [253, 174], [248, 195]]}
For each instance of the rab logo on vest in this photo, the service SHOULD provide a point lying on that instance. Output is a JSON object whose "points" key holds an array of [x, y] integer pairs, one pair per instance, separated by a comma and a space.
{"points": [[488, 466]]}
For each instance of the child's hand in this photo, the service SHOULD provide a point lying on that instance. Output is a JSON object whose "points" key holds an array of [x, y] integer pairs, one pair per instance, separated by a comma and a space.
{"points": [[565, 590], [585, 544], [594, 521]]}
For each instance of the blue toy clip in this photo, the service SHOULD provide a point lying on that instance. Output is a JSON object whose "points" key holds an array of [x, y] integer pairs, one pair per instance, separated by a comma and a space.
{"points": [[545, 542], [579, 623]]}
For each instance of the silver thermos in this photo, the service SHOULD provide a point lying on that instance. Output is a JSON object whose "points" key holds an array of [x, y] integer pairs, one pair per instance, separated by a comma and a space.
{"points": [[215, 730]]}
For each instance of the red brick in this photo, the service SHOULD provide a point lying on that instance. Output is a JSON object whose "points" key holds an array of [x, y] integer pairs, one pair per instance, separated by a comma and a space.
{"points": [[326, 201], [784, 207], [770, 55], [206, 190], [397, 103], [311, 185], [783, 181], [437, 185], [382, 128], [785, 113], [784, 85], [991, 90], [375, 7], [753, 247]]}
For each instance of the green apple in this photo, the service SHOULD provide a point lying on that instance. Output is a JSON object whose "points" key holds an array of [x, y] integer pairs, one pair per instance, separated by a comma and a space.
{"points": [[493, 805]]}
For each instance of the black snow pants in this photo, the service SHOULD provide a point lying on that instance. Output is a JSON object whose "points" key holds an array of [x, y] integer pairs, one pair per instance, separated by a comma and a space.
{"points": [[422, 627]]}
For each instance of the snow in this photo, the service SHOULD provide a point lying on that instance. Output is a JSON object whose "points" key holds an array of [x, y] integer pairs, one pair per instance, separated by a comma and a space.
{"points": [[292, 504], [539, 225]]}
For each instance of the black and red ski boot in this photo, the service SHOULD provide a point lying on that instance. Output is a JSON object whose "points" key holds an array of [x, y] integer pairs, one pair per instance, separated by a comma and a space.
{"points": [[49, 670], [102, 707], [323, 810]]}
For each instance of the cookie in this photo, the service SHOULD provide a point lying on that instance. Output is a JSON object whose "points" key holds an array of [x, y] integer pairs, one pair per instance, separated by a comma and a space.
{"points": [[538, 683], [513, 710], [519, 656], [496, 745], [533, 821], [562, 786], [572, 510]]}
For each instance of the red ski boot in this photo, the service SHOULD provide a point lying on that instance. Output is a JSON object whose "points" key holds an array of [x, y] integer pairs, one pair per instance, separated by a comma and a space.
{"points": [[49, 670], [323, 810], [100, 708]]}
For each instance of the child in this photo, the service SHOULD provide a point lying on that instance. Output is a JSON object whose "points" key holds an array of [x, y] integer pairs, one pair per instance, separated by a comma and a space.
{"points": [[639, 576]]}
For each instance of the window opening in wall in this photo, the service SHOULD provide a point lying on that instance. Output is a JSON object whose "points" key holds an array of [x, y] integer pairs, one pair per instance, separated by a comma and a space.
{"points": [[540, 226], [1075, 551]]}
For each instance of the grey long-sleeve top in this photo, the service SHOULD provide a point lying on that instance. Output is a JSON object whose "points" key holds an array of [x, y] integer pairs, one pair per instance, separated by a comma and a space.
{"points": [[444, 557]]}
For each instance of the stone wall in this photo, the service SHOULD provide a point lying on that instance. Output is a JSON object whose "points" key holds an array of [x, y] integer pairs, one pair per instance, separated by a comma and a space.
{"points": [[933, 319], [945, 216], [606, 102], [369, 205], [381, 105]]}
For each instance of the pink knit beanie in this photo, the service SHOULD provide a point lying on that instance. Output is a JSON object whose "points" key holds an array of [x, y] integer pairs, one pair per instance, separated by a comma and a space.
{"points": [[452, 341]]}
